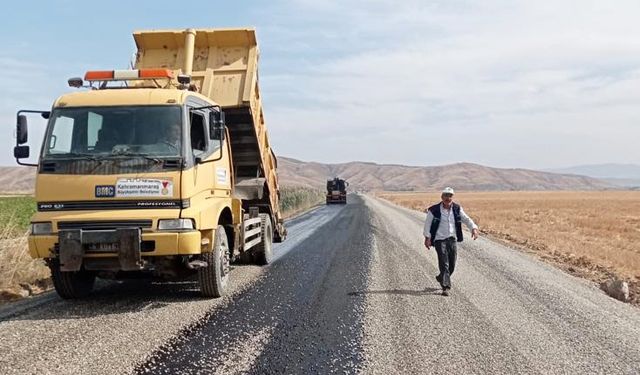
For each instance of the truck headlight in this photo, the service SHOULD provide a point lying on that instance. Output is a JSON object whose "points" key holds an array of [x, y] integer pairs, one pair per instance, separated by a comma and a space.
{"points": [[41, 228], [175, 224]]}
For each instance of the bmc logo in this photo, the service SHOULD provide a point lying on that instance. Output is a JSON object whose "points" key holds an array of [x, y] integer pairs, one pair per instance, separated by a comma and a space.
{"points": [[105, 191]]}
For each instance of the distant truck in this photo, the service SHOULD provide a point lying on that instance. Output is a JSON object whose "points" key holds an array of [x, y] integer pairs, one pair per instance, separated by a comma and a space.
{"points": [[337, 191], [165, 170]]}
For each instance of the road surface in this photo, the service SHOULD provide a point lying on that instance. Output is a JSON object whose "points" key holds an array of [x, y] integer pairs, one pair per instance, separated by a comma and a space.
{"points": [[352, 290]]}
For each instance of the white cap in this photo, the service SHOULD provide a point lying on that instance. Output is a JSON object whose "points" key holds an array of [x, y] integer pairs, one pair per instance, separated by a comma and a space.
{"points": [[448, 190]]}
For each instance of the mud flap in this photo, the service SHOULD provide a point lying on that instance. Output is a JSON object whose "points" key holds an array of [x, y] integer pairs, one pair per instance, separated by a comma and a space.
{"points": [[129, 249], [71, 250]]}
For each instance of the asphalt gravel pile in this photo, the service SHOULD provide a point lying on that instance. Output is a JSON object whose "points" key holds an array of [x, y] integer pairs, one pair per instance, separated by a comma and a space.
{"points": [[300, 318], [108, 333]]}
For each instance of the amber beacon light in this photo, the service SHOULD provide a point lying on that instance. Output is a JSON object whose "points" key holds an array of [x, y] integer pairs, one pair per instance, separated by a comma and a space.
{"points": [[116, 75]]}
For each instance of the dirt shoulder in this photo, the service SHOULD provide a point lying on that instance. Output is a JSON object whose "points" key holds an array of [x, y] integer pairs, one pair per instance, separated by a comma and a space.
{"points": [[580, 266]]}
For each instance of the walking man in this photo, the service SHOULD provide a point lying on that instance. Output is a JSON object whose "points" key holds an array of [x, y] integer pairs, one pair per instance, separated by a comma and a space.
{"points": [[442, 229]]}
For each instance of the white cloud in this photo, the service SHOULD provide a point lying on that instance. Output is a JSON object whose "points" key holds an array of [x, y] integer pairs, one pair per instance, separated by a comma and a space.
{"points": [[507, 83], [517, 76]]}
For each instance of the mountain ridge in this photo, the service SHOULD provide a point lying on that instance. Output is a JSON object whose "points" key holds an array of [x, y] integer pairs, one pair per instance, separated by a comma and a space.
{"points": [[624, 175], [390, 177], [465, 176], [605, 170]]}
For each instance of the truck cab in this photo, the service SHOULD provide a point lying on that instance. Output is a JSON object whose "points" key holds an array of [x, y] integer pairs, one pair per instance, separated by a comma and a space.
{"points": [[141, 175]]}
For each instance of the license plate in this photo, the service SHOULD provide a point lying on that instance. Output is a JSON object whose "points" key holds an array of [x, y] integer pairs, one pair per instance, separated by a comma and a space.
{"points": [[104, 247]]}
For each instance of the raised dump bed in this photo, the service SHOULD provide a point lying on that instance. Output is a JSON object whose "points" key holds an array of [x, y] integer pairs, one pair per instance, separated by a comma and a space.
{"points": [[223, 65]]}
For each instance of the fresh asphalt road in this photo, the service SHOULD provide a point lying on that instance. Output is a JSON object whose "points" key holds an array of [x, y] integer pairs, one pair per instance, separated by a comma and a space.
{"points": [[352, 290]]}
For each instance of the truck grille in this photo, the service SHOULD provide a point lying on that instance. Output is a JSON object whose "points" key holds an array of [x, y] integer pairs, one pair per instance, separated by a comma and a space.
{"points": [[98, 225]]}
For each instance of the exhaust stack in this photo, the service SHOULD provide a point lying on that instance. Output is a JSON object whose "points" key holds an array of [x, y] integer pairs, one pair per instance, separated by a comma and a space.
{"points": [[189, 45]]}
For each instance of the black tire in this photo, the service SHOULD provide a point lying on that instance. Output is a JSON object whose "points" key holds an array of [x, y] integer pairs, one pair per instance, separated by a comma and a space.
{"points": [[277, 238], [263, 250], [71, 285], [214, 277]]}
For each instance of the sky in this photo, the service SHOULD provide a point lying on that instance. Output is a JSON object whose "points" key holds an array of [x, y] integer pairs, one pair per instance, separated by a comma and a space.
{"points": [[503, 83]]}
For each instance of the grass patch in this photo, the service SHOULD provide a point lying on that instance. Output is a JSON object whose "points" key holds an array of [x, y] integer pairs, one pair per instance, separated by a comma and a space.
{"points": [[294, 200], [15, 215]]}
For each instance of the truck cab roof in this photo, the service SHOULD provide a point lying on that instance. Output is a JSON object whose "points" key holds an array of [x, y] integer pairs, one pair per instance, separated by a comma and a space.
{"points": [[127, 96]]}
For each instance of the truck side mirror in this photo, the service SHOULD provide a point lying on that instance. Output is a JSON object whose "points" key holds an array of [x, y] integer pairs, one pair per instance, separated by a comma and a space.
{"points": [[216, 125], [21, 152], [21, 130]]}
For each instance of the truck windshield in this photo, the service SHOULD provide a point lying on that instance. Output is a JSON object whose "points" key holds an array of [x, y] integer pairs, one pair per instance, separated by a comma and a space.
{"points": [[94, 133]]}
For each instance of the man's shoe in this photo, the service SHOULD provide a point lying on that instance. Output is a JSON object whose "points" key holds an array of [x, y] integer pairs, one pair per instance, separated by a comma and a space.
{"points": [[445, 292]]}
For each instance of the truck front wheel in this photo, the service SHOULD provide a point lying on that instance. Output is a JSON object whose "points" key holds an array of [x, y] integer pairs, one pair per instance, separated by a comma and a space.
{"points": [[214, 277], [71, 285]]}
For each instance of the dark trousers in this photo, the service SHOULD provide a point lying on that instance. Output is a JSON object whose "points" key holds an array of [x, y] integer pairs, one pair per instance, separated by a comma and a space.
{"points": [[447, 251]]}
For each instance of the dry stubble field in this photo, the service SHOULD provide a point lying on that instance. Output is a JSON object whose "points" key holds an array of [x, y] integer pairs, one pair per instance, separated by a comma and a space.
{"points": [[591, 234]]}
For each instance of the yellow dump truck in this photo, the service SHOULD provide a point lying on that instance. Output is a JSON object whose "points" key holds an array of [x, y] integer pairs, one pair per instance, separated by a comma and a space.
{"points": [[164, 170]]}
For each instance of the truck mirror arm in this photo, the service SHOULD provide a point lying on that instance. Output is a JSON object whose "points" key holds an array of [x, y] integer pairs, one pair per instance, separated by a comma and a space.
{"points": [[45, 114], [200, 161]]}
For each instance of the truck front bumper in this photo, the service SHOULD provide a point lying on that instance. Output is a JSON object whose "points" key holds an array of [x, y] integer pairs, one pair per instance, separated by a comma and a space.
{"points": [[122, 242]]}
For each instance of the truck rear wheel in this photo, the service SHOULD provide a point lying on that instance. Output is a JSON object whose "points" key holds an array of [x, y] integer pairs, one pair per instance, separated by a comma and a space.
{"points": [[214, 277], [263, 251], [71, 285]]}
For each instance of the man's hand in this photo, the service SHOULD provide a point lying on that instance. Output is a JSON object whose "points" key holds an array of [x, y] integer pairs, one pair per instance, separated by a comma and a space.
{"points": [[427, 242], [475, 233]]}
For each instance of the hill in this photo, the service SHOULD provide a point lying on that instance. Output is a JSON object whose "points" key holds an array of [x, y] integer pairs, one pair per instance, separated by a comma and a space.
{"points": [[371, 176], [462, 176], [625, 175], [611, 170], [17, 180]]}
